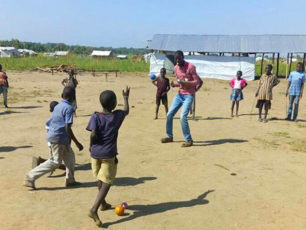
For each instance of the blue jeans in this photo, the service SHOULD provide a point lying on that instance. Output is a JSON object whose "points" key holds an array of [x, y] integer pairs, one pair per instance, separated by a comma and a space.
{"points": [[293, 99], [178, 101]]}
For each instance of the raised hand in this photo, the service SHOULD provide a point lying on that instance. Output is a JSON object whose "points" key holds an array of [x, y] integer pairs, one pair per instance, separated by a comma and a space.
{"points": [[126, 93]]}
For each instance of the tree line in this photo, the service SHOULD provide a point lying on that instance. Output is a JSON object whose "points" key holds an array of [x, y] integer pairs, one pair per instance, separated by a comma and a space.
{"points": [[76, 49]]}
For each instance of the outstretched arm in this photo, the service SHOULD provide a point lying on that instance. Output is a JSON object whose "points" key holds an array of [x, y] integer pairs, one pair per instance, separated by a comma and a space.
{"points": [[126, 95]]}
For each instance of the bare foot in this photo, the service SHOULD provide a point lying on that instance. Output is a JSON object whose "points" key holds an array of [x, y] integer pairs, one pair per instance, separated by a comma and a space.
{"points": [[95, 217], [155, 118], [232, 115], [105, 206]]}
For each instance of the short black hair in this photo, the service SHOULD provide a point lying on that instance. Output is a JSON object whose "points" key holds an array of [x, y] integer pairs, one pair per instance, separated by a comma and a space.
{"points": [[180, 53], [301, 64], [68, 93], [108, 99], [239, 71], [270, 65], [52, 105]]}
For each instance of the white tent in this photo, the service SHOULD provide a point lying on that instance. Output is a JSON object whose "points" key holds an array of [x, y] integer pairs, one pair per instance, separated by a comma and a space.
{"points": [[99, 53], [220, 67], [25, 52], [61, 53], [8, 52]]}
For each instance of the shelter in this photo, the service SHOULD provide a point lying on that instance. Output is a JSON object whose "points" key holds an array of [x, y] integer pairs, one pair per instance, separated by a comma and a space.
{"points": [[101, 54], [61, 53], [234, 45], [122, 56], [8, 52], [26, 52]]}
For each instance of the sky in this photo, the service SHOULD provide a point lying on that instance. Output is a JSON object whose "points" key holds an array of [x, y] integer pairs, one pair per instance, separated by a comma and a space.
{"points": [[130, 23]]}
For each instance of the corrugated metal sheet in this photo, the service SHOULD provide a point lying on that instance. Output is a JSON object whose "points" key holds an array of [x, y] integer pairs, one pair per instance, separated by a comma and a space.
{"points": [[230, 43]]}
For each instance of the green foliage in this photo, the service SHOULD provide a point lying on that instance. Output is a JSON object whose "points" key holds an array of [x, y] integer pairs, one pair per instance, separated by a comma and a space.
{"points": [[76, 49], [78, 61]]}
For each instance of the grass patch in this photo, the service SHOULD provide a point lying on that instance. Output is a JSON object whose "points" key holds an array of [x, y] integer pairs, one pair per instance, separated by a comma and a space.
{"points": [[298, 145], [78, 61], [301, 125], [205, 89], [267, 143]]}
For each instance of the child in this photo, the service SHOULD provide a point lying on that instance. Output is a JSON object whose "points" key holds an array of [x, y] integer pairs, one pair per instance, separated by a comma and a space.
{"points": [[264, 92], [104, 129], [4, 85], [71, 81], [38, 160], [295, 90], [163, 86], [59, 135], [237, 84]]}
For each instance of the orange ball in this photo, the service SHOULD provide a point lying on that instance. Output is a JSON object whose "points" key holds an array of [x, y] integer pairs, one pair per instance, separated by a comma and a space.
{"points": [[119, 210]]}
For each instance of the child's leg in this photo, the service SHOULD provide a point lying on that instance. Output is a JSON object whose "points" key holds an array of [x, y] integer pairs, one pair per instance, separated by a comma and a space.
{"points": [[260, 110], [156, 111], [232, 109], [266, 110], [237, 108]]}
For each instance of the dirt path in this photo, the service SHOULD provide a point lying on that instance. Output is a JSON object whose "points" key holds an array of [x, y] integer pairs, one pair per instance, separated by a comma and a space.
{"points": [[240, 174]]}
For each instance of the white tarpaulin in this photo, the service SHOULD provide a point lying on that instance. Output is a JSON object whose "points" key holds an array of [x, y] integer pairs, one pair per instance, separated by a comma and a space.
{"points": [[220, 67], [223, 67]]}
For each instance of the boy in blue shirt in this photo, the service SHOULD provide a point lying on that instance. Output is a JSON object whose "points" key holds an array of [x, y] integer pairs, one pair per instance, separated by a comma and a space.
{"points": [[295, 90], [59, 135], [104, 129]]}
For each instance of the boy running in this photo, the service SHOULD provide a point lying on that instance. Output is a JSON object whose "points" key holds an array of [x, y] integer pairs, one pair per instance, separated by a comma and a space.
{"points": [[264, 92], [237, 84], [59, 135], [4, 85], [104, 129], [295, 90], [163, 86]]}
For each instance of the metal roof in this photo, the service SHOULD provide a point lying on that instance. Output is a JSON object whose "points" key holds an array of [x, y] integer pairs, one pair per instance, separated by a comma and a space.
{"points": [[230, 43], [101, 53]]}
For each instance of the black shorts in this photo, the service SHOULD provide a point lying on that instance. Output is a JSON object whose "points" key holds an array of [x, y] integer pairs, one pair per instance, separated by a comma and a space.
{"points": [[164, 99], [265, 103]]}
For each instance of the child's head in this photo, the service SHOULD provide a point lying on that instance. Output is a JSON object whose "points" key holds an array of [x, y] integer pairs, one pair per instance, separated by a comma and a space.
{"points": [[68, 93], [239, 74], [162, 72], [300, 67], [108, 100], [71, 72], [269, 68], [52, 105]]}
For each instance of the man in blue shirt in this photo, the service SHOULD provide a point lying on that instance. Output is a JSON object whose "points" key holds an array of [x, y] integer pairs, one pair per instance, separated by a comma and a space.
{"points": [[295, 90], [59, 135]]}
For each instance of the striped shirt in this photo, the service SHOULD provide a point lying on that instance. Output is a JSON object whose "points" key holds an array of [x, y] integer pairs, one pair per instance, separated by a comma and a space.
{"points": [[266, 83]]}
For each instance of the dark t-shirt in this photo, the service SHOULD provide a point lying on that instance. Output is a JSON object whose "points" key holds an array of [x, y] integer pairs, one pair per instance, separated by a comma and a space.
{"points": [[106, 127], [162, 84]]}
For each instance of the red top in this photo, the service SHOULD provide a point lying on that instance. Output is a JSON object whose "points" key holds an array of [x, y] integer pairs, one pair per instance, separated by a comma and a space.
{"points": [[3, 79], [162, 85], [188, 74]]}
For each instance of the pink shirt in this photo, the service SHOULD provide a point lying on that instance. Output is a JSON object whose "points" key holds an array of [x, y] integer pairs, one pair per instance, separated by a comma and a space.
{"points": [[242, 82], [188, 74]]}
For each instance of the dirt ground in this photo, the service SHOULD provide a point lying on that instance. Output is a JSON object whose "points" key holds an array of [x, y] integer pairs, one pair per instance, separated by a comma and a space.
{"points": [[240, 174]]}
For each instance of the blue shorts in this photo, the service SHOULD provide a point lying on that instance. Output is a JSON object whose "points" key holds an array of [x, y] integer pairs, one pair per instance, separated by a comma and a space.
{"points": [[236, 95]]}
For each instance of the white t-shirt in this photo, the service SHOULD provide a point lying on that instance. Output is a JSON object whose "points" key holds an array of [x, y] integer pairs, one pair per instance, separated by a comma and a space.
{"points": [[237, 84]]}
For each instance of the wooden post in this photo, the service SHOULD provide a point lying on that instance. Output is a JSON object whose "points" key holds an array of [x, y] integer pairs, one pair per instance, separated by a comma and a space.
{"points": [[290, 65], [273, 57], [287, 61], [277, 65], [304, 59], [262, 60]]}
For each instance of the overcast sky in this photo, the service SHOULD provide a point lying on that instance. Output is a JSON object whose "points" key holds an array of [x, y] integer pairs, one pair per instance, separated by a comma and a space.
{"points": [[130, 23]]}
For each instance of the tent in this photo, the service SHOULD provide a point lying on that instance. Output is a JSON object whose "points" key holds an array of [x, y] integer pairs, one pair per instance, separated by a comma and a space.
{"points": [[220, 67]]}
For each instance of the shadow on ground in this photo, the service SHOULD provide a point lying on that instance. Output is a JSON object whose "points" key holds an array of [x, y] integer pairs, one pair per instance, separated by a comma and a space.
{"points": [[150, 209], [131, 181], [13, 148], [26, 107], [217, 142]]}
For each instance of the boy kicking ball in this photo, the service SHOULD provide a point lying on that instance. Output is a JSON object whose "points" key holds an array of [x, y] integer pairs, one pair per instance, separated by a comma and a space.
{"points": [[104, 129]]}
